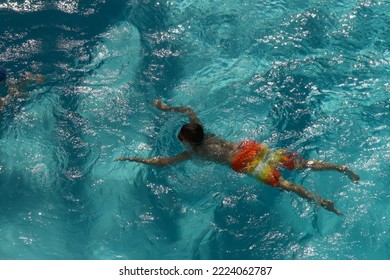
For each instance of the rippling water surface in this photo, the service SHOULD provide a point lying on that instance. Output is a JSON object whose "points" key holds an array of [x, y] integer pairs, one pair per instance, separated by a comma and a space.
{"points": [[309, 76]]}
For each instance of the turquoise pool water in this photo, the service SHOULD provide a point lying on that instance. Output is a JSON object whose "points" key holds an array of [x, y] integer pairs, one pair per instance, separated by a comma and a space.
{"points": [[309, 76]]}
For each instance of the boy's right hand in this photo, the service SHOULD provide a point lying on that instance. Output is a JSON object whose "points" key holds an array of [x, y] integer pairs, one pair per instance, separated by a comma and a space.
{"points": [[160, 105]]}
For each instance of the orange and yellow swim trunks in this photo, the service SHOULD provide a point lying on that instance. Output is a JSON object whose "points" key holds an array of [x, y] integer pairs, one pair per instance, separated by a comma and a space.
{"points": [[261, 162]]}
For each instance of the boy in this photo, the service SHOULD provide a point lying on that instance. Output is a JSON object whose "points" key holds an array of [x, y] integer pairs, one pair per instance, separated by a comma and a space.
{"points": [[248, 157]]}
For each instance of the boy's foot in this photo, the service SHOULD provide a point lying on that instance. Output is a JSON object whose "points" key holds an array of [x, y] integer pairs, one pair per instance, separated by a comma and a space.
{"points": [[329, 205], [351, 175]]}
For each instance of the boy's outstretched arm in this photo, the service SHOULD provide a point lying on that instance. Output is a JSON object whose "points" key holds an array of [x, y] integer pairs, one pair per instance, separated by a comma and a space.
{"points": [[158, 161], [181, 109]]}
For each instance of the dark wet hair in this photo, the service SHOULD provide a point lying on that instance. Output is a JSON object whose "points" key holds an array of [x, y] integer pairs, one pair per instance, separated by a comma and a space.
{"points": [[193, 132], [3, 75]]}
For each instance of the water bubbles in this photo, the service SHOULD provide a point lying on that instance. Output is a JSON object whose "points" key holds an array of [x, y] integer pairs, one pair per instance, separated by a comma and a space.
{"points": [[67, 6], [25, 6], [73, 173], [26, 239]]}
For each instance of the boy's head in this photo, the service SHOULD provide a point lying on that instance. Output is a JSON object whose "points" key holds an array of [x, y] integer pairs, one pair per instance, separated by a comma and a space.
{"points": [[3, 75], [192, 133]]}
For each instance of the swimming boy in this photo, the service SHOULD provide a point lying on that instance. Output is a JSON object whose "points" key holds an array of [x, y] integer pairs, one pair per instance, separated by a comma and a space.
{"points": [[248, 157], [16, 87]]}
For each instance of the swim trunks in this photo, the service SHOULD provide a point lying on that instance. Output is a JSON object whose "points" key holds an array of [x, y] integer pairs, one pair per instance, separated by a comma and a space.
{"points": [[261, 162]]}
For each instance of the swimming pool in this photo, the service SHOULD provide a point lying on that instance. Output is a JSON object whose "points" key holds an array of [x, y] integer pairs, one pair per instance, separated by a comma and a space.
{"points": [[309, 76]]}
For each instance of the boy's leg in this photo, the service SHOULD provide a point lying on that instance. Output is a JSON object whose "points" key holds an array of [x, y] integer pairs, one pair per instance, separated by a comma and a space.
{"points": [[320, 165], [302, 192]]}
